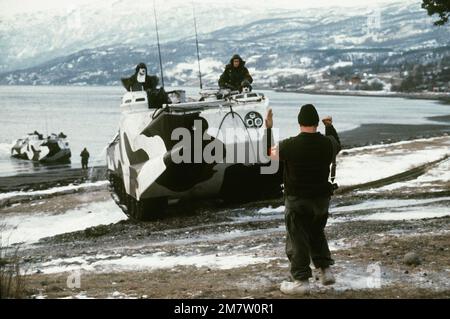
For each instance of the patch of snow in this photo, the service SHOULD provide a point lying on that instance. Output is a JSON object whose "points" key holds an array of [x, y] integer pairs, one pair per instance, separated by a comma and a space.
{"points": [[401, 143], [341, 64], [386, 204], [81, 295], [53, 190], [253, 58], [358, 278], [339, 244], [386, 160], [432, 178], [209, 68], [153, 262], [270, 210], [29, 228], [120, 295], [410, 214]]}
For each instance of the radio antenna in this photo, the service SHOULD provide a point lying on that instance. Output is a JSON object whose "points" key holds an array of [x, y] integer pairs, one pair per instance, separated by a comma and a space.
{"points": [[196, 42], [159, 46]]}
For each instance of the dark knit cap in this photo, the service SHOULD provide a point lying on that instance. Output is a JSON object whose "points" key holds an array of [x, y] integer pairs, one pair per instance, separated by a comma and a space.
{"points": [[308, 116], [140, 66]]}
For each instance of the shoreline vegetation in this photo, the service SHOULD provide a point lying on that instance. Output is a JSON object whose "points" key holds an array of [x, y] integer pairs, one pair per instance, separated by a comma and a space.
{"points": [[441, 97], [438, 96]]}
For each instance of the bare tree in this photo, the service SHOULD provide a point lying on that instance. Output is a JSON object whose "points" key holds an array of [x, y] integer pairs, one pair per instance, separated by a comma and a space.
{"points": [[439, 7]]}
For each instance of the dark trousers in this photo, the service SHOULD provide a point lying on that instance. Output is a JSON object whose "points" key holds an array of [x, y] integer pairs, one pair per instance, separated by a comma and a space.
{"points": [[84, 164], [305, 223]]}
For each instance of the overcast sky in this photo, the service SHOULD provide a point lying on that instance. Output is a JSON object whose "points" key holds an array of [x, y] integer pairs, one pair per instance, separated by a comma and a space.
{"points": [[8, 7]]}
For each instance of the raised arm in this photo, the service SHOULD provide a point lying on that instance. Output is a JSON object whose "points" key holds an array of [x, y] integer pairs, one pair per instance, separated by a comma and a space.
{"points": [[272, 150], [330, 131]]}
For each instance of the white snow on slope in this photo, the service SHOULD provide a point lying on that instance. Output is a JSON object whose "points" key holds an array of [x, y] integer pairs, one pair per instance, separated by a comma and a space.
{"points": [[387, 160], [391, 209], [410, 214], [382, 161], [270, 210], [150, 262], [386, 204], [188, 70], [408, 209], [29, 228], [433, 179], [53, 190]]}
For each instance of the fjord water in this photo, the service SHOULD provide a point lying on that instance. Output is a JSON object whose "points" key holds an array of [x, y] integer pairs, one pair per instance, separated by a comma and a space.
{"points": [[89, 116]]}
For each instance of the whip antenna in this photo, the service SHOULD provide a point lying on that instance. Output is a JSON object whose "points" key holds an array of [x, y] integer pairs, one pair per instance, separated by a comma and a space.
{"points": [[196, 42], [159, 47]]}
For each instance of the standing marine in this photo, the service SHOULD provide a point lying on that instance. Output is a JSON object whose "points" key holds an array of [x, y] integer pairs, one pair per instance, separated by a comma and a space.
{"points": [[84, 158]]}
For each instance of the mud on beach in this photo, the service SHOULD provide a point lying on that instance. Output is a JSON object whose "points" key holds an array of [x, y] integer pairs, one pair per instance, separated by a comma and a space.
{"points": [[239, 253], [219, 250]]}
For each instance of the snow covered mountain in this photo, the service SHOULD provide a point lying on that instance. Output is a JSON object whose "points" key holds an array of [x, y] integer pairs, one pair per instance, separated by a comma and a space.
{"points": [[31, 38], [289, 42]]}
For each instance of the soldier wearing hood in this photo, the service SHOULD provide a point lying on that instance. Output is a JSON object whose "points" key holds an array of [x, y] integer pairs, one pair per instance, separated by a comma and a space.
{"points": [[236, 76], [140, 81]]}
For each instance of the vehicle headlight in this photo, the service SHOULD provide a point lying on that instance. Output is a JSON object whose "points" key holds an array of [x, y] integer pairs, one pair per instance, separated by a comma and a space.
{"points": [[253, 119]]}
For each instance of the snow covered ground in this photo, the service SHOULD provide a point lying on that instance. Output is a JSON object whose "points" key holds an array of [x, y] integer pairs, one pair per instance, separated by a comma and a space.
{"points": [[410, 214], [30, 227], [148, 262], [366, 164], [53, 190], [359, 165], [229, 239], [436, 179]]}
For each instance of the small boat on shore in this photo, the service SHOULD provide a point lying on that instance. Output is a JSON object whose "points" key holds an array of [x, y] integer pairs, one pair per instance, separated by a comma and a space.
{"points": [[49, 150]]}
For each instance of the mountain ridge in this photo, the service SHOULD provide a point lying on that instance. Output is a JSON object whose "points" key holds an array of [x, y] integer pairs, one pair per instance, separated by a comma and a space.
{"points": [[273, 47]]}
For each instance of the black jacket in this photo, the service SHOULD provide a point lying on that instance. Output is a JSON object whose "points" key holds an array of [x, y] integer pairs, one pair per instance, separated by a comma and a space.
{"points": [[232, 77], [84, 155], [307, 158], [132, 84]]}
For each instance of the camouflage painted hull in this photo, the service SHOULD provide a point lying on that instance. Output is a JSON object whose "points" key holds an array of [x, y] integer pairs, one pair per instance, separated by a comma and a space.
{"points": [[140, 158], [52, 150]]}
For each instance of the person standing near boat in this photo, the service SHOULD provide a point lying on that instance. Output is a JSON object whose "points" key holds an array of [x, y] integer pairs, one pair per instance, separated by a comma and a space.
{"points": [[84, 158], [307, 158], [140, 81], [236, 76]]}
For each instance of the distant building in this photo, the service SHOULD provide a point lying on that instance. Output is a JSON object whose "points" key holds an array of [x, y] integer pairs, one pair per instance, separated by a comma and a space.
{"points": [[355, 80]]}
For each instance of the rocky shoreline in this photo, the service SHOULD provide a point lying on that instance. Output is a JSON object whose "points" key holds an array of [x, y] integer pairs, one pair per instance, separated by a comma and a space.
{"points": [[392, 222], [388, 238], [442, 97]]}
